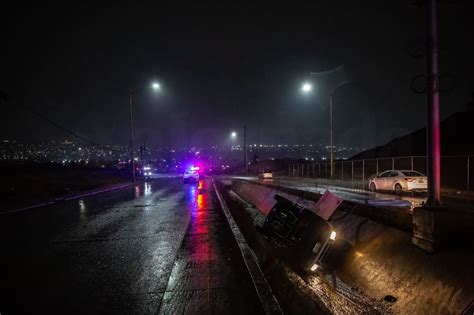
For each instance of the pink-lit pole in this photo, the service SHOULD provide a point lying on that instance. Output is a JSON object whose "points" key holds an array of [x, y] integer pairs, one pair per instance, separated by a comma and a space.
{"points": [[432, 102]]}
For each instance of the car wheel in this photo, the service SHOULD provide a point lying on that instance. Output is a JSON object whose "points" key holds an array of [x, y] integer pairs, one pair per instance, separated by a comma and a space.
{"points": [[398, 189], [372, 187]]}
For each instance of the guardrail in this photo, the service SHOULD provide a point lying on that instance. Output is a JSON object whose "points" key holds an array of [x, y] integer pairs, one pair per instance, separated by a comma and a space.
{"points": [[456, 170]]}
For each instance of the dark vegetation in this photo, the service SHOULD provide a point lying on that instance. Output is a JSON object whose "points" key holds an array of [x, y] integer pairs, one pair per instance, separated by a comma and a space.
{"points": [[26, 184]]}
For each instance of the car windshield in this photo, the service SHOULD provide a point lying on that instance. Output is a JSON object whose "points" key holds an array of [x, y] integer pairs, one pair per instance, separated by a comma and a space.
{"points": [[412, 173]]}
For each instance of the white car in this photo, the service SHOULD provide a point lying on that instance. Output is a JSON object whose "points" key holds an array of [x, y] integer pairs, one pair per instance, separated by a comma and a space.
{"points": [[265, 175], [191, 175], [399, 181]]}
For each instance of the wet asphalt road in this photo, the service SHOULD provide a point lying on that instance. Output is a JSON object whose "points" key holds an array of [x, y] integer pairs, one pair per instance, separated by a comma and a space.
{"points": [[158, 247]]}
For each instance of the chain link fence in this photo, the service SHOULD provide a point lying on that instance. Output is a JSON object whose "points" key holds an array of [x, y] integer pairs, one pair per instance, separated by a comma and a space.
{"points": [[456, 170]]}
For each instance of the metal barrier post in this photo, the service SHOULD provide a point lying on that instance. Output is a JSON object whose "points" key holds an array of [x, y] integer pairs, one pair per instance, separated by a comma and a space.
{"points": [[393, 163], [412, 163], [377, 166], [342, 170]]}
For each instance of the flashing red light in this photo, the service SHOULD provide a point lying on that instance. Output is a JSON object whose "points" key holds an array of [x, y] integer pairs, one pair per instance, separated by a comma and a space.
{"points": [[196, 168]]}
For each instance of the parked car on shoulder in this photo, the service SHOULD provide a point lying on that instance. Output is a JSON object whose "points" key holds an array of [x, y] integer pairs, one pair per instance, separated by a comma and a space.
{"points": [[398, 181]]}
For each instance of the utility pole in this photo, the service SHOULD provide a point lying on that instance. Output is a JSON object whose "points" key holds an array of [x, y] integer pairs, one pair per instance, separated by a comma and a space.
{"points": [[429, 220], [245, 149], [432, 103]]}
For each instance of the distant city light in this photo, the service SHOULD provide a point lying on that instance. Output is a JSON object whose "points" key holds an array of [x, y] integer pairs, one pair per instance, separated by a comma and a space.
{"points": [[155, 85]]}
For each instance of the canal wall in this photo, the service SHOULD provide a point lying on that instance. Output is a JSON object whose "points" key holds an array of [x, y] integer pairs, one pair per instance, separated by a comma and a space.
{"points": [[374, 254]]}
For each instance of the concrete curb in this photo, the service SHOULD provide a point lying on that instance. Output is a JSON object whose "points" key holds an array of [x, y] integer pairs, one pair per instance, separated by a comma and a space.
{"points": [[269, 302], [70, 197]]}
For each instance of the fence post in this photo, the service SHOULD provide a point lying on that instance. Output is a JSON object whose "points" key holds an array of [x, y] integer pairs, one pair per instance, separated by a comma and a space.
{"points": [[363, 170], [412, 162], [289, 168], [319, 170], [313, 170], [377, 166], [352, 170], [393, 163], [468, 173], [326, 173], [342, 170]]}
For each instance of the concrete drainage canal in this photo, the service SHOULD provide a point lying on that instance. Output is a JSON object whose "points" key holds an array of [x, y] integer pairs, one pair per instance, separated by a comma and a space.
{"points": [[349, 264]]}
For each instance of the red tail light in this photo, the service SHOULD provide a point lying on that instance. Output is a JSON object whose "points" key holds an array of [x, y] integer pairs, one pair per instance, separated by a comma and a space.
{"points": [[409, 179]]}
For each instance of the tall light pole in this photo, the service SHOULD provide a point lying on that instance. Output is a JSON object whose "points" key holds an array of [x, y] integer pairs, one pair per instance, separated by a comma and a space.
{"points": [[245, 150], [155, 86], [331, 101], [307, 88], [233, 137]]}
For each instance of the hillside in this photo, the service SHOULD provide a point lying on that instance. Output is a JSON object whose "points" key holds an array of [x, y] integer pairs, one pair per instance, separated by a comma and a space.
{"points": [[457, 138]]}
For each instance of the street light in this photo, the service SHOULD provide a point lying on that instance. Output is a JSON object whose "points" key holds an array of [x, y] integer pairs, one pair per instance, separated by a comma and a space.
{"points": [[155, 86], [233, 134], [306, 88]]}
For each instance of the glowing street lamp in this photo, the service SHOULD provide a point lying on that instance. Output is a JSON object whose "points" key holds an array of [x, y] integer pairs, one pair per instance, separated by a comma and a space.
{"points": [[155, 86], [233, 134], [306, 87]]}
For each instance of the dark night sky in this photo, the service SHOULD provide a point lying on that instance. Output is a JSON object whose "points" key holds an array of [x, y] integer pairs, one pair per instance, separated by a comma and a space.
{"points": [[223, 67]]}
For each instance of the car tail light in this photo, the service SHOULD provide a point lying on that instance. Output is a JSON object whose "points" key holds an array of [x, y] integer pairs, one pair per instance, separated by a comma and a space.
{"points": [[409, 179]]}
